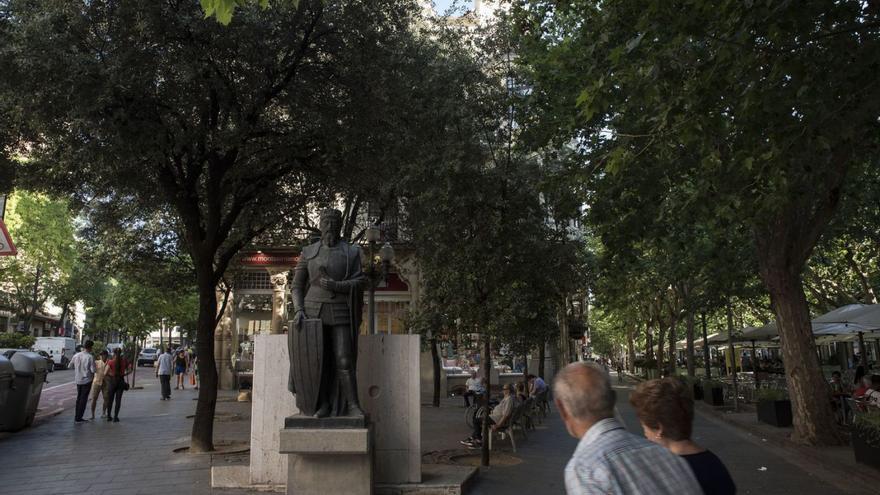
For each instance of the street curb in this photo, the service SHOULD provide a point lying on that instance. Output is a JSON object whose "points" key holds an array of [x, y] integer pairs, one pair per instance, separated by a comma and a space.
{"points": [[846, 471]]}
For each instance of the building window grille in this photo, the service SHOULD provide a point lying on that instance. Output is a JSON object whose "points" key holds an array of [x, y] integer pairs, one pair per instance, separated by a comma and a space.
{"points": [[255, 280]]}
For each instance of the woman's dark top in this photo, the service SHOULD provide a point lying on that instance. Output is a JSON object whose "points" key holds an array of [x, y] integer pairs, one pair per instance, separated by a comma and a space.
{"points": [[710, 472], [180, 361]]}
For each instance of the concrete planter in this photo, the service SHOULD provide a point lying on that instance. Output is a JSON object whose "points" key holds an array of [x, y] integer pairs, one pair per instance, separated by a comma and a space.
{"points": [[714, 396], [864, 451], [775, 412]]}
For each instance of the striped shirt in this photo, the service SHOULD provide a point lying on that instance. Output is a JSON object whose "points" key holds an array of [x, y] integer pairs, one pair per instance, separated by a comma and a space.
{"points": [[611, 460]]}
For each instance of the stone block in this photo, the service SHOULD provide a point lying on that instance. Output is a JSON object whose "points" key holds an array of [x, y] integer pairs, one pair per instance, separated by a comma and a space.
{"points": [[324, 474], [233, 476], [389, 387], [325, 441], [328, 460], [272, 403]]}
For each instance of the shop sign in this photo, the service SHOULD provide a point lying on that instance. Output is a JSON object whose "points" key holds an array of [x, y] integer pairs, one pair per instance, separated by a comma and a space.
{"points": [[268, 259]]}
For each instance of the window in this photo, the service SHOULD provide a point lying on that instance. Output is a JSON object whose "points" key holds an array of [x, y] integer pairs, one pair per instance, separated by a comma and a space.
{"points": [[254, 280]]}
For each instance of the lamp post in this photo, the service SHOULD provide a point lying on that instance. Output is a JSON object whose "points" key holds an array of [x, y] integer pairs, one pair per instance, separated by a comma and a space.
{"points": [[375, 273]]}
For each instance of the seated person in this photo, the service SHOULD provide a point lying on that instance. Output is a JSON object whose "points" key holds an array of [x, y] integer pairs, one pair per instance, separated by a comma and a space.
{"points": [[872, 395], [864, 385], [536, 385], [498, 418], [666, 411], [521, 392], [475, 387]]}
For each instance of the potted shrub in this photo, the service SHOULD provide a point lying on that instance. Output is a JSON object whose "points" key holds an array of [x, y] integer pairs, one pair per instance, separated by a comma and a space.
{"points": [[773, 407], [713, 392], [866, 438]]}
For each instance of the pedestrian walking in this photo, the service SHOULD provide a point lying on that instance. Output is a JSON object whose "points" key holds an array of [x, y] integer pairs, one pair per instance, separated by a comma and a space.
{"points": [[666, 410], [117, 369], [99, 385], [609, 459], [194, 364], [180, 366], [163, 371], [83, 364]]}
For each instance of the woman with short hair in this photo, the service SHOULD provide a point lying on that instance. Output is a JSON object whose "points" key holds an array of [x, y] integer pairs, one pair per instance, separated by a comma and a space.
{"points": [[666, 410]]}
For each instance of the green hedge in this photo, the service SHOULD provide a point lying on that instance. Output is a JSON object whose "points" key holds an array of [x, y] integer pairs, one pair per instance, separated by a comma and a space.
{"points": [[16, 340]]}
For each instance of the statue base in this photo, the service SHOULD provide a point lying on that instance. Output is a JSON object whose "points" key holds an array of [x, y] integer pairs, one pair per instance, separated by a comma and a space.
{"points": [[328, 455]]}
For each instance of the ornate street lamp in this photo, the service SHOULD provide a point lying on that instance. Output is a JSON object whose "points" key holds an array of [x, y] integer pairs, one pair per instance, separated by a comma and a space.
{"points": [[378, 269]]}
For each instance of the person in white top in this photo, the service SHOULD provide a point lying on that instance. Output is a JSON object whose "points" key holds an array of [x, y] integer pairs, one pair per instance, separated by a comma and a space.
{"points": [[83, 364], [475, 387], [163, 371]]}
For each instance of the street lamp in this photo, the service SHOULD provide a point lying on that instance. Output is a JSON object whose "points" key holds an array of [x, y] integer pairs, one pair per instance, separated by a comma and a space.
{"points": [[377, 271]]}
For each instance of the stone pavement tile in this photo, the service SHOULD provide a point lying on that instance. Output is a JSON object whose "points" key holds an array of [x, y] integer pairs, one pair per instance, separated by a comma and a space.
{"points": [[123, 457], [542, 456]]}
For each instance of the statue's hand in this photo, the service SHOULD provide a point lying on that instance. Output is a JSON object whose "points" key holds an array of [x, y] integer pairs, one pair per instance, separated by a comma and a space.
{"points": [[331, 285], [298, 318]]}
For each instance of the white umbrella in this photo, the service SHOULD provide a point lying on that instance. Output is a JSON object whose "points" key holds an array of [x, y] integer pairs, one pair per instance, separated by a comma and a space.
{"points": [[854, 317]]}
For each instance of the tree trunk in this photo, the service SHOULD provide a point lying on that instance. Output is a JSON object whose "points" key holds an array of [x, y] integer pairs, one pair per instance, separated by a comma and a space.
{"points": [[812, 416], [691, 365], [35, 296], [867, 290], [649, 350], [542, 350], [863, 351], [60, 329], [732, 355], [673, 352], [487, 372], [435, 360], [707, 357], [661, 341], [631, 351], [202, 439]]}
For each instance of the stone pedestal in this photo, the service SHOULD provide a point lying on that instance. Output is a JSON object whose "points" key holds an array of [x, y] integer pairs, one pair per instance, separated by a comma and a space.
{"points": [[389, 391], [328, 456], [271, 404]]}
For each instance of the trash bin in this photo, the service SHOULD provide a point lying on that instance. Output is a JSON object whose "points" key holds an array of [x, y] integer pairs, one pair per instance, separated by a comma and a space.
{"points": [[24, 397], [7, 375]]}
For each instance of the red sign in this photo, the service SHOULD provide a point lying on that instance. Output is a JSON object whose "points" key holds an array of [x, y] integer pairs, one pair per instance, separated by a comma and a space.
{"points": [[268, 259], [7, 248], [393, 284]]}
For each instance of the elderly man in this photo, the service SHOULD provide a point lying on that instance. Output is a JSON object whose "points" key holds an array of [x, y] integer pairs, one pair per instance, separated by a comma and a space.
{"points": [[498, 418], [608, 458]]}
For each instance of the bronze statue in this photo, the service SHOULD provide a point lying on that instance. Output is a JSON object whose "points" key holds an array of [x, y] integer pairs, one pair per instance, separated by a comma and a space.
{"points": [[322, 339]]}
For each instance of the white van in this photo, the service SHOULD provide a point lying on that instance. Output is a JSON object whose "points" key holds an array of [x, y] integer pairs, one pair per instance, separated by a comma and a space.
{"points": [[60, 349]]}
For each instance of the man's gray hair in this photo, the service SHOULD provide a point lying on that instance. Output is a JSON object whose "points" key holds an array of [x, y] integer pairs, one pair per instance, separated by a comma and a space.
{"points": [[585, 391]]}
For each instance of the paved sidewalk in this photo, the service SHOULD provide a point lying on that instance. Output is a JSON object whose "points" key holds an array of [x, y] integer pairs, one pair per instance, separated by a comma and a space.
{"points": [[135, 456], [130, 457]]}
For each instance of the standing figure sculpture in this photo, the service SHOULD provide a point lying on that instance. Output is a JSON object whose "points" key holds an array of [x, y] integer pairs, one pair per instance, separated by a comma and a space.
{"points": [[322, 339]]}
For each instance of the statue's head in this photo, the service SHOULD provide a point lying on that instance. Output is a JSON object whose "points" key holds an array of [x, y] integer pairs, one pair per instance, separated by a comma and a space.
{"points": [[331, 226]]}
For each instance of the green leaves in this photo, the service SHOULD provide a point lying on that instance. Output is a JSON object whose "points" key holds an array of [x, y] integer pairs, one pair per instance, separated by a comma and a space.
{"points": [[223, 10]]}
